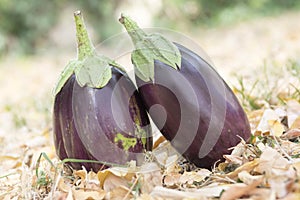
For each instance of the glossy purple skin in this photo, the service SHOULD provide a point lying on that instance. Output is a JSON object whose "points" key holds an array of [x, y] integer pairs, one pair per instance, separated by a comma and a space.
{"points": [[85, 128], [202, 83]]}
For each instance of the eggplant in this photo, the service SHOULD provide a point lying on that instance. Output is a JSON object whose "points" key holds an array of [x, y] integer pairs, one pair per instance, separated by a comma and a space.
{"points": [[98, 113], [186, 98]]}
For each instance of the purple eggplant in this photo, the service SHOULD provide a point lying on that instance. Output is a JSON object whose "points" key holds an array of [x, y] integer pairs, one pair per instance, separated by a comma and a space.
{"points": [[98, 113], [187, 99]]}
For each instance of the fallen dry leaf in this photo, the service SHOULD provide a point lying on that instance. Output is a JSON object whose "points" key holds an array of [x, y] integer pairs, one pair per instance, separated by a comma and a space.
{"points": [[279, 172], [62, 186], [82, 174], [276, 127], [290, 148], [293, 113], [172, 180], [270, 159], [254, 118], [264, 125], [248, 179], [296, 166], [296, 123], [88, 195], [144, 197], [249, 166], [239, 149], [262, 193], [238, 160], [150, 180], [165, 193], [70, 195], [213, 190], [280, 185], [292, 133], [239, 190], [120, 193], [109, 181]]}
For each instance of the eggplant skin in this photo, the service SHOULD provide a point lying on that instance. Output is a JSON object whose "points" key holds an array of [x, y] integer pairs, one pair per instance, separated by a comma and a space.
{"points": [[203, 116], [109, 124]]}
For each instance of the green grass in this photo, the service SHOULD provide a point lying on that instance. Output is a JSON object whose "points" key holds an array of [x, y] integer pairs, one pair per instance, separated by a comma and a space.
{"points": [[275, 85]]}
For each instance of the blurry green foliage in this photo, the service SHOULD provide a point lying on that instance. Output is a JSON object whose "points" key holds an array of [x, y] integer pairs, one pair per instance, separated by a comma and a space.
{"points": [[25, 24], [101, 15], [220, 12]]}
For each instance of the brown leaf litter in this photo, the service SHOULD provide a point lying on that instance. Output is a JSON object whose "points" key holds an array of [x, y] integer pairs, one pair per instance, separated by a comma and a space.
{"points": [[267, 167]]}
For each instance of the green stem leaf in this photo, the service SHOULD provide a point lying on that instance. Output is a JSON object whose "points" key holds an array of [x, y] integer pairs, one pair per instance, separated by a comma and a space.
{"points": [[65, 75], [150, 47], [91, 70], [84, 44]]}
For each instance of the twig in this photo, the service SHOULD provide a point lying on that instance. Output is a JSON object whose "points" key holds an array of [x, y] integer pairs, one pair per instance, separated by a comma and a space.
{"points": [[131, 188]]}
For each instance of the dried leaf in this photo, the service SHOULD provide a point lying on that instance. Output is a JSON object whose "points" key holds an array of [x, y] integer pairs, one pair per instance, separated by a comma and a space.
{"points": [[292, 196], [189, 178], [239, 190], [119, 193], [279, 185], [150, 180], [270, 159], [291, 148], [248, 179], [276, 127], [254, 118], [296, 123], [249, 166], [163, 152], [278, 171], [172, 180], [268, 115], [239, 149], [82, 174], [293, 113], [102, 175], [234, 159], [109, 181], [70, 195], [62, 186], [144, 197], [213, 190], [296, 165], [165, 193], [88, 195], [261, 193], [292, 133]]}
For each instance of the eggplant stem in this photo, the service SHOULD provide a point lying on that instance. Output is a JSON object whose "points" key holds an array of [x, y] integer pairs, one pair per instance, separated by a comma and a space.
{"points": [[134, 31], [85, 47]]}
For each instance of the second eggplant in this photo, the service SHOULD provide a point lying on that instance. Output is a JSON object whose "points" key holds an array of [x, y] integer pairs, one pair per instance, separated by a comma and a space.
{"points": [[187, 99]]}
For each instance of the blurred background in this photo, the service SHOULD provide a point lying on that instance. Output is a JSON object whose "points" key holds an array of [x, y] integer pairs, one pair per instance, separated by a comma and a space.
{"points": [[37, 39], [31, 27]]}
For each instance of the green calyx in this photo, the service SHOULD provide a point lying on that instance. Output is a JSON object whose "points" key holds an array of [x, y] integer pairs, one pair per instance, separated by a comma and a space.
{"points": [[91, 70], [150, 47]]}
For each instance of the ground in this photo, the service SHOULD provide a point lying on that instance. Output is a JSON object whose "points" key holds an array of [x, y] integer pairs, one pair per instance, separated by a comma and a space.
{"points": [[248, 50]]}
